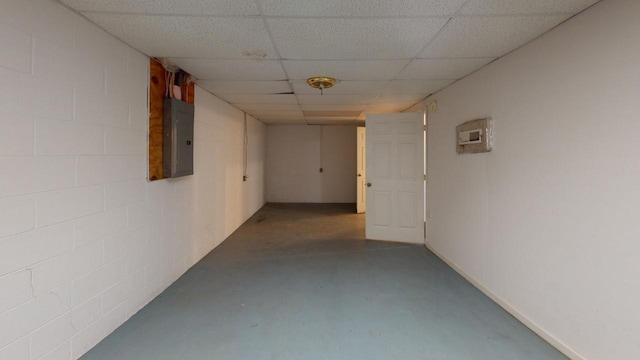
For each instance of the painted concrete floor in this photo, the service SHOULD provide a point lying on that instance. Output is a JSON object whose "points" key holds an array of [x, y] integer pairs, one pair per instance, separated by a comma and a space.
{"points": [[300, 282]]}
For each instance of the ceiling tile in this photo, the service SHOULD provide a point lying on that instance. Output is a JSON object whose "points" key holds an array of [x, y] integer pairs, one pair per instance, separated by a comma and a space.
{"points": [[335, 99], [195, 7], [282, 120], [488, 36], [347, 107], [382, 107], [419, 87], [284, 117], [523, 7], [259, 99], [330, 118], [360, 7], [206, 69], [341, 88], [245, 87], [276, 113], [329, 121], [258, 107], [432, 69], [401, 98], [345, 70], [332, 113], [183, 36], [349, 38], [363, 43]]}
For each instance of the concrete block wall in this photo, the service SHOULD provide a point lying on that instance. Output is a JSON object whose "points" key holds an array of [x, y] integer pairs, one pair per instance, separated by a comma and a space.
{"points": [[85, 240], [547, 222]]}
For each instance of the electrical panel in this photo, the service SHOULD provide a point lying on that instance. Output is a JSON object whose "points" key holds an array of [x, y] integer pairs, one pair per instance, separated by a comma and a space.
{"points": [[475, 136], [178, 138]]}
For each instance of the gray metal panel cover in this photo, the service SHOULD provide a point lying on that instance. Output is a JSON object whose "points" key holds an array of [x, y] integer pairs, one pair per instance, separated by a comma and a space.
{"points": [[178, 138]]}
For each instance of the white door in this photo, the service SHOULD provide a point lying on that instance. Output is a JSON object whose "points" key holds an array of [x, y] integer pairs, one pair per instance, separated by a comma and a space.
{"points": [[361, 175], [395, 178]]}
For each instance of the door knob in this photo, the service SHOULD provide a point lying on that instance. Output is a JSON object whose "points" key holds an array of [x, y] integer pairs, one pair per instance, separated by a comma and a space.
{"points": [[368, 184], [359, 174]]}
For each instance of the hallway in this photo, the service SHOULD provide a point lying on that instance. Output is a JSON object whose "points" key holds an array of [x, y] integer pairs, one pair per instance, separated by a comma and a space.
{"points": [[299, 281]]}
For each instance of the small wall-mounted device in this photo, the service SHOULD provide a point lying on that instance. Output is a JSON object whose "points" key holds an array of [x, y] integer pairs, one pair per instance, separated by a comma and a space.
{"points": [[474, 136], [178, 138], [470, 137]]}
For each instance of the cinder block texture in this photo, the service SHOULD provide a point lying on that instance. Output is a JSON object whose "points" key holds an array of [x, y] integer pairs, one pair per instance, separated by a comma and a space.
{"points": [[85, 240]]}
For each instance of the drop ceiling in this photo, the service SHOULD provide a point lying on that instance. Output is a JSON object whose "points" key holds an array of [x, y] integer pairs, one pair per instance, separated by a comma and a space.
{"points": [[386, 55]]}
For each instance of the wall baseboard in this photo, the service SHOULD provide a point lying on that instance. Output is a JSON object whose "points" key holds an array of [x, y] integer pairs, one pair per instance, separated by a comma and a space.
{"points": [[560, 346]]}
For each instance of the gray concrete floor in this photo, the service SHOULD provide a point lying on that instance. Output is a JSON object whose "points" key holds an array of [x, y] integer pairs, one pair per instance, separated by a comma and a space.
{"points": [[301, 282]]}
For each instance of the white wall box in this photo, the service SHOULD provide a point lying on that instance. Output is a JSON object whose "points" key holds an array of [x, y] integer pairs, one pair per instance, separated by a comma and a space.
{"points": [[474, 136]]}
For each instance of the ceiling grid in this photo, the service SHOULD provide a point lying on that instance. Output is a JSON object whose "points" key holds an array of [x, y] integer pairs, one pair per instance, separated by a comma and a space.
{"points": [[386, 55], [298, 112]]}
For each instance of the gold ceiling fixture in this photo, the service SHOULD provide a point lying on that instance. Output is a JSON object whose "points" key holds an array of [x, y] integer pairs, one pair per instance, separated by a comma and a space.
{"points": [[321, 82]]}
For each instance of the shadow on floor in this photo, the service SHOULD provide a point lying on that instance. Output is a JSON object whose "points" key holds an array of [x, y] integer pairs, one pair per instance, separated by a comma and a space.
{"points": [[299, 281]]}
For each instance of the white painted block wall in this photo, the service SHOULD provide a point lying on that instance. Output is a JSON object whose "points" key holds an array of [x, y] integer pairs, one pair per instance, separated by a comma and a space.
{"points": [[295, 154], [548, 221], [85, 240]]}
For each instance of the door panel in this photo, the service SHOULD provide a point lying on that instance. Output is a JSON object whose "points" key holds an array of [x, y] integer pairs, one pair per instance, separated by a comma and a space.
{"points": [[395, 164], [382, 202], [381, 167], [406, 215], [407, 161]]}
